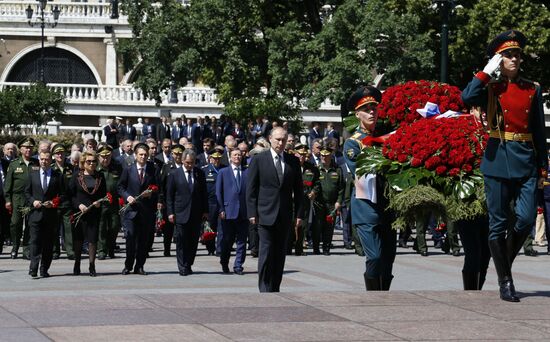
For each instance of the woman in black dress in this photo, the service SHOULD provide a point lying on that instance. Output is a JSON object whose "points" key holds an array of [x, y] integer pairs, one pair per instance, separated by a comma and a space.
{"points": [[87, 188]]}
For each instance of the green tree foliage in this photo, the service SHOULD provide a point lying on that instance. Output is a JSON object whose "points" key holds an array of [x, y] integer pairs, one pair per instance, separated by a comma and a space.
{"points": [[36, 104]]}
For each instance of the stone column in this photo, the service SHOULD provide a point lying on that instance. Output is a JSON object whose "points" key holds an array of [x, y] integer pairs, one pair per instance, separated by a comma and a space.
{"points": [[110, 62]]}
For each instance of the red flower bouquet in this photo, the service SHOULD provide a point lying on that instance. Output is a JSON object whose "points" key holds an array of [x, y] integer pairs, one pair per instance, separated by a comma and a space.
{"points": [[207, 233], [450, 147], [399, 103], [56, 201]]}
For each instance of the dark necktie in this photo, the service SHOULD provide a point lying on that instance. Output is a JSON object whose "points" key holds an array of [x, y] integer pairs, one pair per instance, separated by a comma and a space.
{"points": [[238, 179], [190, 181], [141, 175], [45, 182], [279, 168]]}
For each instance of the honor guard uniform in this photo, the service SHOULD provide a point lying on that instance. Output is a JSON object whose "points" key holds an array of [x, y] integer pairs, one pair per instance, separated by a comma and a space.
{"points": [[331, 198], [515, 158], [312, 189], [171, 166], [64, 209], [17, 177], [211, 172], [369, 215], [109, 223]]}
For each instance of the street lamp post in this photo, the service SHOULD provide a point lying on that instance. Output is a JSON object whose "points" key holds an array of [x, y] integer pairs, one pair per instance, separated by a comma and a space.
{"points": [[445, 7], [42, 20]]}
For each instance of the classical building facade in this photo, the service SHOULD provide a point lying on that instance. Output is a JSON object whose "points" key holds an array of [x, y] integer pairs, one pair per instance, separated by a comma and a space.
{"points": [[80, 60]]}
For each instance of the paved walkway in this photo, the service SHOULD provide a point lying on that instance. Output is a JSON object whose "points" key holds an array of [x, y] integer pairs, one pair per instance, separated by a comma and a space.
{"points": [[322, 299]]}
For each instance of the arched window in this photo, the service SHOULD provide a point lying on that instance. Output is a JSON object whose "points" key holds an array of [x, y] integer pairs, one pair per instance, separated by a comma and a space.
{"points": [[60, 66]]}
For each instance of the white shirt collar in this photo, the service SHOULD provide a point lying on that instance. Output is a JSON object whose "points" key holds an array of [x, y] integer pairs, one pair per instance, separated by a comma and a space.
{"points": [[273, 154]]}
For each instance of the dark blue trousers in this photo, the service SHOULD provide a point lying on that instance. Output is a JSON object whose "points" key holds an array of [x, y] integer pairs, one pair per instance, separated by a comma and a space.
{"points": [[137, 230], [500, 194], [378, 241], [234, 231]]}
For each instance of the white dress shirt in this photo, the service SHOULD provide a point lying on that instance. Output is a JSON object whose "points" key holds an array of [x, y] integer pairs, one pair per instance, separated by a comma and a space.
{"points": [[273, 154]]}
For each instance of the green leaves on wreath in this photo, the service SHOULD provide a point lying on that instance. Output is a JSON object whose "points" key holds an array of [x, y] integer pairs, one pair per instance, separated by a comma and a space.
{"points": [[371, 160], [350, 123]]}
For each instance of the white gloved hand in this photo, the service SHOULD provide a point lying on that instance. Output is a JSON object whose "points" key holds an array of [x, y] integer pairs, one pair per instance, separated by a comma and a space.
{"points": [[493, 65]]}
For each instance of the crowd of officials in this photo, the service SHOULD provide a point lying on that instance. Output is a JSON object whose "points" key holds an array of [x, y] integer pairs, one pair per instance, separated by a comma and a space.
{"points": [[78, 198]]}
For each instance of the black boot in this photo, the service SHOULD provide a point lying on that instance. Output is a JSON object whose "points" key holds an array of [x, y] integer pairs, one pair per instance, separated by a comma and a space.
{"points": [[482, 276], [385, 283], [507, 290], [502, 266], [470, 280], [514, 243], [372, 284]]}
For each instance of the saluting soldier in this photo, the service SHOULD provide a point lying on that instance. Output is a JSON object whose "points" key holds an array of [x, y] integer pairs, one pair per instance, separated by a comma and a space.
{"points": [[61, 165], [514, 163], [173, 164], [109, 223], [368, 205], [17, 177], [331, 198], [312, 189], [211, 171]]}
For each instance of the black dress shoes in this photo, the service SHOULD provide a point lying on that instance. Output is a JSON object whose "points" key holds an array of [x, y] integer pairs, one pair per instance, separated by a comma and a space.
{"points": [[92, 271], [531, 252], [44, 274], [186, 272], [140, 271], [167, 253], [33, 274], [125, 271], [239, 271], [456, 253], [225, 269], [424, 253], [76, 269]]}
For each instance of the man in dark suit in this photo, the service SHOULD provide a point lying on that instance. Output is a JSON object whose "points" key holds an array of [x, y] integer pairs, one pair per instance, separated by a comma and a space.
{"points": [[148, 131], [207, 146], [198, 133], [274, 186], [164, 157], [163, 130], [111, 133], [238, 132], [177, 131], [128, 131], [230, 193], [187, 207], [139, 218], [43, 186], [314, 132]]}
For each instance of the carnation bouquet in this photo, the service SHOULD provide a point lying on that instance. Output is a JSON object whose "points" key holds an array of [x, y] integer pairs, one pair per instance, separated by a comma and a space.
{"points": [[207, 233], [54, 202], [75, 218], [150, 189]]}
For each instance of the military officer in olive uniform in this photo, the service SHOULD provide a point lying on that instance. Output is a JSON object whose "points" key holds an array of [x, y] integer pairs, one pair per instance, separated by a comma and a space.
{"points": [[312, 189], [17, 177], [331, 197], [109, 223], [368, 211], [211, 172], [61, 165], [174, 164], [515, 161]]}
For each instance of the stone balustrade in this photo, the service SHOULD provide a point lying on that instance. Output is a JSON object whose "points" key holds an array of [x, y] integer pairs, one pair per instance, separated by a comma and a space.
{"points": [[94, 9]]}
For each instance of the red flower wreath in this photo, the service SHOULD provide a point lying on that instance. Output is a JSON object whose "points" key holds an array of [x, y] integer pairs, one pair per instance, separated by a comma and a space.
{"points": [[399, 103]]}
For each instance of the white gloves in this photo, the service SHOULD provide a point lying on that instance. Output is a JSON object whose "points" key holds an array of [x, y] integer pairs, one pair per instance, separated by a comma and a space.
{"points": [[493, 65]]}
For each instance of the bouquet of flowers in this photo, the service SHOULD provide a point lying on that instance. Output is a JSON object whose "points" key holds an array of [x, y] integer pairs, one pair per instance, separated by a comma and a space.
{"points": [[331, 217], [150, 189], [75, 218], [207, 233], [54, 202], [159, 222]]}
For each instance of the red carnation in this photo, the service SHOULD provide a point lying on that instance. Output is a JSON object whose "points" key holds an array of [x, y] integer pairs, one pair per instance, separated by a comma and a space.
{"points": [[56, 201], [109, 198], [540, 210], [440, 170], [454, 172], [121, 201], [329, 219], [153, 188], [308, 183]]}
